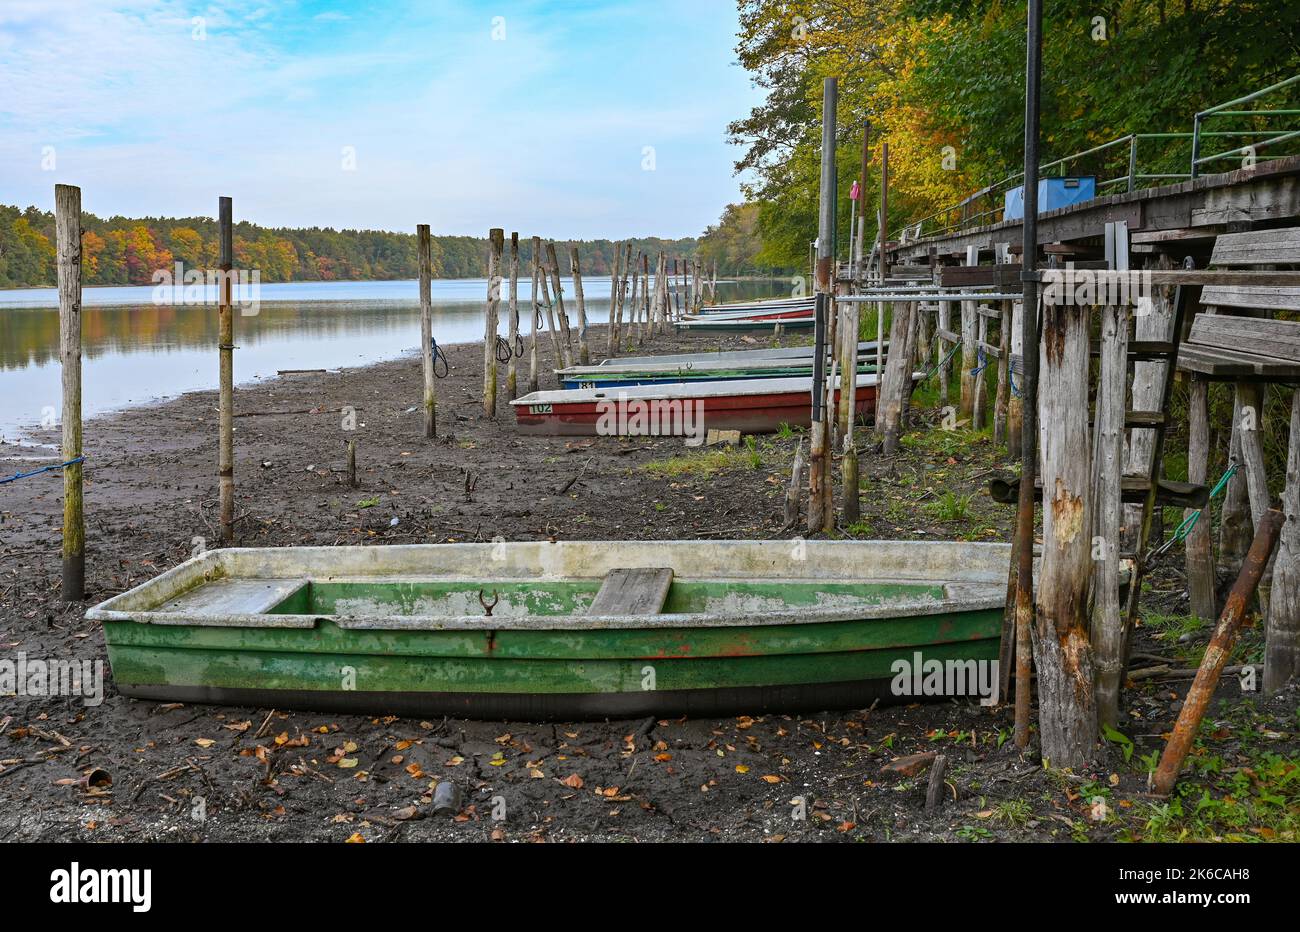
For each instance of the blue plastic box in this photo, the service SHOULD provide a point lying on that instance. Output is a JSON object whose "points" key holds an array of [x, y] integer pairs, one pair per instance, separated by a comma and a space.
{"points": [[1053, 194]]}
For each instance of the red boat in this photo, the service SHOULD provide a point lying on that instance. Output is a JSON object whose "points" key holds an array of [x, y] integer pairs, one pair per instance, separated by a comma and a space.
{"points": [[679, 409]]}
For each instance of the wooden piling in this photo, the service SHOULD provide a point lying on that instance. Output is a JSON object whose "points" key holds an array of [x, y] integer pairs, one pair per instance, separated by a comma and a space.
{"points": [[425, 254], [1252, 464], [795, 490], [1216, 654], [969, 352], [1234, 513], [1107, 628], [67, 230], [226, 399], [850, 504], [626, 268], [584, 351], [1154, 321], [631, 299], [512, 368], [1062, 649], [895, 384], [539, 263], [566, 333], [615, 306], [1282, 635], [496, 245], [1001, 400], [1199, 552], [352, 463], [534, 300]]}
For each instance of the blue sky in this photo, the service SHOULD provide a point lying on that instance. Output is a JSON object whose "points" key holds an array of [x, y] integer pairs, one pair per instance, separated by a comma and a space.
{"points": [[541, 117]]}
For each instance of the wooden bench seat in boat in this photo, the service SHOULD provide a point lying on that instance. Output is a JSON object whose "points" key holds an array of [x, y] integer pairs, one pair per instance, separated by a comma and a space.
{"points": [[632, 592]]}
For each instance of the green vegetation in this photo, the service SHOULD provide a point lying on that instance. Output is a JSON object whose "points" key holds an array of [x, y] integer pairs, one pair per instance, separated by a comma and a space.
{"points": [[943, 81], [706, 463]]}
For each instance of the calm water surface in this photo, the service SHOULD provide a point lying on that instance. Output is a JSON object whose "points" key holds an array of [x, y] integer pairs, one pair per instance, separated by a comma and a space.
{"points": [[135, 351]]}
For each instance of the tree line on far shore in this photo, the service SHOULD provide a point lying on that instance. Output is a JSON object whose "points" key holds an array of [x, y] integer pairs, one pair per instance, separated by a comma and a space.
{"points": [[124, 251]]}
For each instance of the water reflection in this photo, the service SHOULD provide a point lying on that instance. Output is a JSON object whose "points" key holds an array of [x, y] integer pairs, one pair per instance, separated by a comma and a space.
{"points": [[135, 351]]}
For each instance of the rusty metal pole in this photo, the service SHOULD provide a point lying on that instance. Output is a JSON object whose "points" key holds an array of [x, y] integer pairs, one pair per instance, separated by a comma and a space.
{"points": [[1217, 653], [1024, 544]]}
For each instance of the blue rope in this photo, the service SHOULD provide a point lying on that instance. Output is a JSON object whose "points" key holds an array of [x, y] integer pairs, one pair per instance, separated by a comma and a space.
{"points": [[1011, 375], [983, 362], [37, 472]]}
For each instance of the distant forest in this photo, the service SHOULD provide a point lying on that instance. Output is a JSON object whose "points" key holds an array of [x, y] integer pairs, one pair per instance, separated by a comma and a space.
{"points": [[122, 251]]}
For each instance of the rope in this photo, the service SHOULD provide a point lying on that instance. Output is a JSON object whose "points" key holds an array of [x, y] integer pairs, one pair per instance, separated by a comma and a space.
{"points": [[943, 362], [37, 472], [438, 354], [1011, 377], [982, 360], [1188, 523]]}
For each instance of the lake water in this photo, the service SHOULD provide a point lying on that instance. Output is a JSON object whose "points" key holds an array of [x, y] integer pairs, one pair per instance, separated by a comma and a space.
{"points": [[135, 351]]}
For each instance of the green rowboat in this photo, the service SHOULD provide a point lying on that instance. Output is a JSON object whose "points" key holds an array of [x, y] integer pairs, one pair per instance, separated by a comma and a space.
{"points": [[567, 630]]}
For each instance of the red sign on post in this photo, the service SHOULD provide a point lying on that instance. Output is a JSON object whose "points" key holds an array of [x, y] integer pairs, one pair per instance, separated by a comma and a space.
{"points": [[855, 192]]}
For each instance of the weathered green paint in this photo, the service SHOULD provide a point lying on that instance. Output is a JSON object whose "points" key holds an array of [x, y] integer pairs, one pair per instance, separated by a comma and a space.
{"points": [[269, 670]]}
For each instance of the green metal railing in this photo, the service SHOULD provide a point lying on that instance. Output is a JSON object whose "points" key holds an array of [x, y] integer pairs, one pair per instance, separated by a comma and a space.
{"points": [[984, 206]]}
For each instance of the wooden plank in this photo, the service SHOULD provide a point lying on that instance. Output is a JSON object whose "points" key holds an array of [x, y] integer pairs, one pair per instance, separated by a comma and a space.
{"points": [[640, 591], [1261, 336], [967, 276], [1258, 247], [1177, 235], [1218, 364], [947, 336], [1270, 297]]}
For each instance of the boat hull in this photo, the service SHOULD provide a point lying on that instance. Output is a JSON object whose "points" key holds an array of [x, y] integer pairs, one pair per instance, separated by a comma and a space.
{"points": [[835, 645], [747, 413]]}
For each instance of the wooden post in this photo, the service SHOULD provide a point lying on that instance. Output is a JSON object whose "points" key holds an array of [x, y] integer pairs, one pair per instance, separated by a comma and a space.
{"points": [[584, 351], [632, 298], [226, 401], [895, 383], [1282, 640], [1000, 402], [969, 316], [884, 210], [566, 334], [352, 463], [626, 266], [615, 306], [1062, 652], [795, 490], [818, 473], [846, 348], [1108, 454], [851, 505], [67, 234], [1216, 654], [1015, 404], [496, 241], [1199, 553], [1154, 321], [535, 301], [643, 321], [1252, 462], [512, 369], [425, 253], [539, 265], [1234, 514]]}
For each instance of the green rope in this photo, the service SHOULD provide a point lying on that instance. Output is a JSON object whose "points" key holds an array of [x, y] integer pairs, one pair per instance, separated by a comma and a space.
{"points": [[1188, 523]]}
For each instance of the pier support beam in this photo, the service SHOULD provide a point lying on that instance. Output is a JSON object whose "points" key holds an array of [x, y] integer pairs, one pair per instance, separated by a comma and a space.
{"points": [[1282, 641], [1200, 553]]}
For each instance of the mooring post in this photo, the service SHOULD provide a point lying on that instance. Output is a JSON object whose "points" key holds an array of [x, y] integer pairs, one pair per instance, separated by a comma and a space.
{"points": [[1199, 552], [352, 463], [1024, 543], [615, 306], [226, 350], [536, 304], [539, 266], [425, 254], [584, 351], [566, 334], [1003, 397], [969, 315], [67, 230], [512, 368], [631, 299], [818, 474], [1282, 635], [642, 328], [894, 384], [1107, 628], [851, 505], [496, 246], [1252, 463]]}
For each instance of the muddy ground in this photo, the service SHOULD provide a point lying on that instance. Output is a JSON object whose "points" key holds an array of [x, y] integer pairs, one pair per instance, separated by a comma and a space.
{"points": [[195, 772]]}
